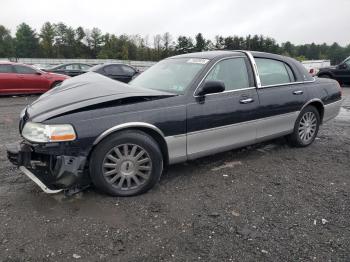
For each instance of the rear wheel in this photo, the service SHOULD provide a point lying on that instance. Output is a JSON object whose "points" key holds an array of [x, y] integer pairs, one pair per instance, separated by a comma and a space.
{"points": [[126, 163], [306, 127]]}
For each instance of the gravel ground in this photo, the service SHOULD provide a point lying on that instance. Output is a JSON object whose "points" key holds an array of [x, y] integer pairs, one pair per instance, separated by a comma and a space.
{"points": [[268, 202]]}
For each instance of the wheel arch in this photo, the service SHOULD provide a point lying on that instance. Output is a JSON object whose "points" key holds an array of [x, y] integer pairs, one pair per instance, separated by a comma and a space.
{"points": [[318, 104], [147, 128]]}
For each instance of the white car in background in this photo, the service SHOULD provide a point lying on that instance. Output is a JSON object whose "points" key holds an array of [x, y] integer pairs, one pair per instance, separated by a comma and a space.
{"points": [[313, 66]]}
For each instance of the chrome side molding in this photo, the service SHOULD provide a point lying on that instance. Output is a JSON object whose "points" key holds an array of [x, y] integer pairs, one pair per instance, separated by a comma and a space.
{"points": [[124, 126]]}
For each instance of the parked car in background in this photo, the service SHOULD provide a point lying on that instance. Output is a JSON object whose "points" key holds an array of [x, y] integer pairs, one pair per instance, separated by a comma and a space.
{"points": [[313, 66], [72, 69], [24, 79], [340, 72], [120, 72], [121, 136], [42, 67]]}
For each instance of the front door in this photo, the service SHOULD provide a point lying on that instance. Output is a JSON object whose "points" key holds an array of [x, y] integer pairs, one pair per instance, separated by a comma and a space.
{"points": [[221, 121]]}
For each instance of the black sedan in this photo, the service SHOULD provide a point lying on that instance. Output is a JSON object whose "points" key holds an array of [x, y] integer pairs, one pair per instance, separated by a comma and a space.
{"points": [[72, 69], [121, 136], [121, 72]]}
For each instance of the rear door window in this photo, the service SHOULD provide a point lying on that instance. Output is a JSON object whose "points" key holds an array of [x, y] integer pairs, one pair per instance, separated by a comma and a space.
{"points": [[114, 70], [273, 72], [73, 67], [6, 69], [84, 67]]}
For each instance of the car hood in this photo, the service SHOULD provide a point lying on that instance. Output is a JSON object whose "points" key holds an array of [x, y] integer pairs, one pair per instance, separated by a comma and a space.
{"points": [[83, 91]]}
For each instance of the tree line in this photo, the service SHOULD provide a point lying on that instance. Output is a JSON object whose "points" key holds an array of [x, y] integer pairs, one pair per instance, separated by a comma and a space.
{"points": [[63, 41]]}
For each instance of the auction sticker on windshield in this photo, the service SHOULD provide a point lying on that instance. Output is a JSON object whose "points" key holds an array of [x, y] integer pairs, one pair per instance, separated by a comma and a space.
{"points": [[197, 61]]}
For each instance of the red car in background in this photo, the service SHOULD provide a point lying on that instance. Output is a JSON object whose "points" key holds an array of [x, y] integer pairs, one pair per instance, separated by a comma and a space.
{"points": [[23, 79]]}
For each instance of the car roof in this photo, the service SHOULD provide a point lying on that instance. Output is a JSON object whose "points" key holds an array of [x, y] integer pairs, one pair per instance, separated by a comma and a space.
{"points": [[209, 54], [73, 63], [96, 67], [66, 64], [224, 53], [13, 63]]}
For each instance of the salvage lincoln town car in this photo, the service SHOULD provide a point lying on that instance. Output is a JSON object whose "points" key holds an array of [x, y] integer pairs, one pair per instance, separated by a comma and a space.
{"points": [[121, 136]]}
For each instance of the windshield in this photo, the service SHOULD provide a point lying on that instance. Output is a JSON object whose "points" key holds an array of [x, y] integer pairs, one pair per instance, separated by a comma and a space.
{"points": [[347, 61], [170, 75]]}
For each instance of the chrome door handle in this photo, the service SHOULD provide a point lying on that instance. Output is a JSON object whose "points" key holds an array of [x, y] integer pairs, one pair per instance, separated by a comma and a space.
{"points": [[246, 101], [299, 92]]}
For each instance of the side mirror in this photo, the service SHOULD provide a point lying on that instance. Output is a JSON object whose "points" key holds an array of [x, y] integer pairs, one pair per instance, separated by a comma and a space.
{"points": [[211, 87]]}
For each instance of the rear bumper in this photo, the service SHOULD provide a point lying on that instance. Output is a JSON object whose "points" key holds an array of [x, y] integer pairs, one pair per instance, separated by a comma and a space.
{"points": [[52, 172], [332, 110]]}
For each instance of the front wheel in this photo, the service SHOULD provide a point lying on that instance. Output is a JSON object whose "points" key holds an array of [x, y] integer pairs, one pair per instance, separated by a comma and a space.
{"points": [[306, 127], [126, 163]]}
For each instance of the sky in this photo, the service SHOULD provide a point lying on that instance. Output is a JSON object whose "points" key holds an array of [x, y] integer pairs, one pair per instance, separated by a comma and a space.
{"points": [[298, 21]]}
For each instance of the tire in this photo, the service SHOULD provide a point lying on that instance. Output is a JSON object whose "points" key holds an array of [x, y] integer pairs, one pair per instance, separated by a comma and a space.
{"points": [[306, 127], [126, 163]]}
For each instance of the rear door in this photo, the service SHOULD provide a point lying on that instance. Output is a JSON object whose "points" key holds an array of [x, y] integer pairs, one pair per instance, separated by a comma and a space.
{"points": [[222, 121], [281, 98], [31, 80], [9, 81]]}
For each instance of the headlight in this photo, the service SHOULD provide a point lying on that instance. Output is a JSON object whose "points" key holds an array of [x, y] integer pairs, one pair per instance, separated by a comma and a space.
{"points": [[40, 133]]}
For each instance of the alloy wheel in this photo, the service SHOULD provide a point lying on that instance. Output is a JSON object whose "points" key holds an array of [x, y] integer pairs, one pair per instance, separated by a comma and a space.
{"points": [[127, 166], [307, 127]]}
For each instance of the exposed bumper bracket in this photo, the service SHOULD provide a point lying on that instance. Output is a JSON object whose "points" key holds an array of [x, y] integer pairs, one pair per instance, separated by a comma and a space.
{"points": [[37, 181]]}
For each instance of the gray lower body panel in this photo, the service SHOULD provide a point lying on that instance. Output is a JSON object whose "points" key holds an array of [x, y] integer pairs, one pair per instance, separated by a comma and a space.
{"points": [[331, 110], [210, 141]]}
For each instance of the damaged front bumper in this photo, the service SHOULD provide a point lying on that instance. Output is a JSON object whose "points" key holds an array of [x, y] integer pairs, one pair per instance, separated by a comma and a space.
{"points": [[48, 166]]}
